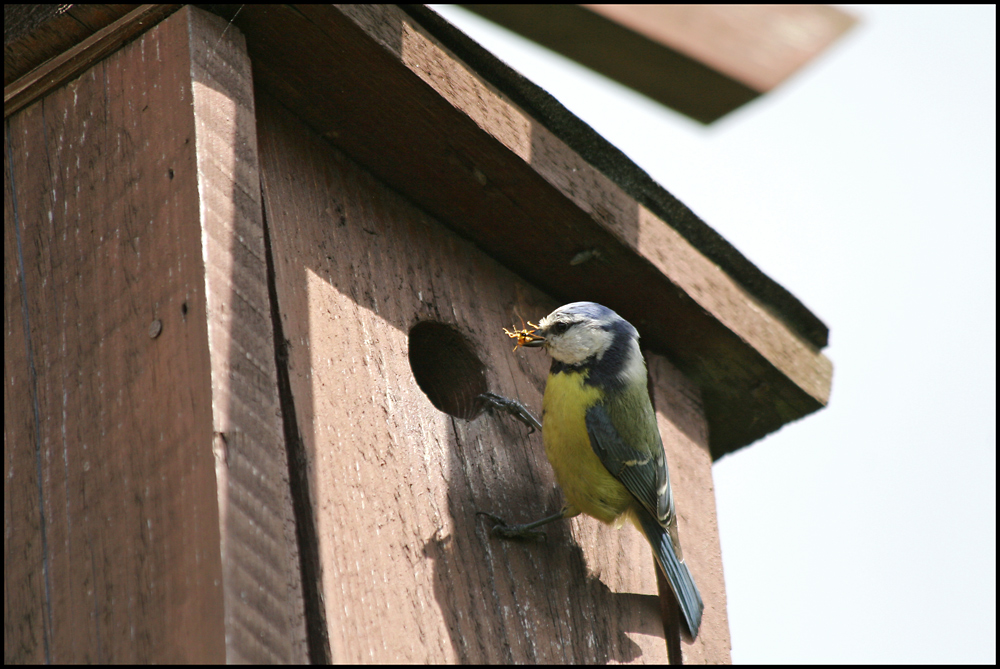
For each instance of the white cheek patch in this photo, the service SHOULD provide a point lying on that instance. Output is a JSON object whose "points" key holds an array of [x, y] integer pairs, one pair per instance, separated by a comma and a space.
{"points": [[578, 344]]}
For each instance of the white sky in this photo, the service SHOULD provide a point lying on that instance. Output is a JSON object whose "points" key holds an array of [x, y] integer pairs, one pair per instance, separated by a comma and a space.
{"points": [[866, 186]]}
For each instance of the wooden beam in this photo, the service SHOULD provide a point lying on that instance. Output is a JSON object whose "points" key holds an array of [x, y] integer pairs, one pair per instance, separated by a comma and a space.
{"points": [[757, 45], [702, 60], [261, 573], [115, 556], [149, 512]]}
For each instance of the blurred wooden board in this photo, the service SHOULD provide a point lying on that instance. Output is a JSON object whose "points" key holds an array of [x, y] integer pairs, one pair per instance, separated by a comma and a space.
{"points": [[702, 60]]}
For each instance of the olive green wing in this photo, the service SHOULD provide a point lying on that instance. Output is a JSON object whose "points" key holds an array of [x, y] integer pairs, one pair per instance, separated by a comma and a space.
{"points": [[643, 474]]}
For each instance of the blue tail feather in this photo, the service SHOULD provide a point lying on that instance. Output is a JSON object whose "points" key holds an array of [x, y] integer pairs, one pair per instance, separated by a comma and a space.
{"points": [[677, 573]]}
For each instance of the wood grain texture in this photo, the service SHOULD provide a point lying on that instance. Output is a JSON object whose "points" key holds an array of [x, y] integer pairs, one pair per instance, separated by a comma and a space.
{"points": [[261, 580], [27, 584], [111, 513], [148, 507], [428, 125], [409, 574]]}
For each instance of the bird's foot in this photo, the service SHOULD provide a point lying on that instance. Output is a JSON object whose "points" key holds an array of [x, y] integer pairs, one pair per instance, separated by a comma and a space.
{"points": [[513, 407], [504, 531]]}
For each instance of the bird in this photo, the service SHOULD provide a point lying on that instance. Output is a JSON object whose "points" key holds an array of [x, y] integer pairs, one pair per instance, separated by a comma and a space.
{"points": [[601, 438]]}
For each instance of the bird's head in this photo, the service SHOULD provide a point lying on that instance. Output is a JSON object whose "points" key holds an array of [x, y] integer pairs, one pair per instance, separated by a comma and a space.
{"points": [[580, 331]]}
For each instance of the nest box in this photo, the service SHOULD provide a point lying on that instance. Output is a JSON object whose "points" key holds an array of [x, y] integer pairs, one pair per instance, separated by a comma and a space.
{"points": [[257, 270]]}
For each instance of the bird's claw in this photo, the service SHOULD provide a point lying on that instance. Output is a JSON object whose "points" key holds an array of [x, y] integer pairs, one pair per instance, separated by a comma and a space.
{"points": [[513, 407], [504, 531]]}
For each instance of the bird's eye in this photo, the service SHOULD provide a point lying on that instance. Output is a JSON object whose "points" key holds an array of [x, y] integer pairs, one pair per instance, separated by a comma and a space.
{"points": [[559, 328]]}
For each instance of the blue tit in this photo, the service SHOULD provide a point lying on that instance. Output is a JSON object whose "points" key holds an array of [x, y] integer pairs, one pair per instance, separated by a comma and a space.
{"points": [[601, 437]]}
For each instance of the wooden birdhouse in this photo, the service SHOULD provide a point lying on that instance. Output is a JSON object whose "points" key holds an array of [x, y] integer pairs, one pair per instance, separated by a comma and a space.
{"points": [[257, 269]]}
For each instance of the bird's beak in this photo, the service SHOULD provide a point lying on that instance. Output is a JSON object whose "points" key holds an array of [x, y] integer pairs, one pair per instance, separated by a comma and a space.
{"points": [[535, 343]]}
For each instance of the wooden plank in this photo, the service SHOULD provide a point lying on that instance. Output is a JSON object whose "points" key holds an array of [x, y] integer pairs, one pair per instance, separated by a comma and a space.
{"points": [[154, 382], [757, 45], [120, 514], [702, 60], [431, 127], [647, 66], [409, 573], [261, 580], [27, 613]]}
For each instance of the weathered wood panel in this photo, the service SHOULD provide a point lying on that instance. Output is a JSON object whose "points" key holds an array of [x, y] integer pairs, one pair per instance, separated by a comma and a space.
{"points": [[141, 371], [260, 561], [26, 613], [409, 574], [111, 514]]}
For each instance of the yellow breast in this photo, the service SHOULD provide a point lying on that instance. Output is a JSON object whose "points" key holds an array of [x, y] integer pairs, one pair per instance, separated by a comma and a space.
{"points": [[585, 482]]}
